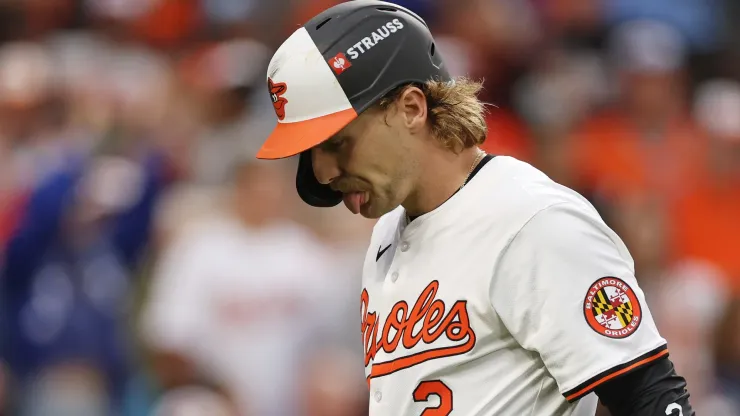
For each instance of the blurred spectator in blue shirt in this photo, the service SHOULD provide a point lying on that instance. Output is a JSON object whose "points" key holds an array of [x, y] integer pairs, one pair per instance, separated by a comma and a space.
{"points": [[67, 270], [695, 19]]}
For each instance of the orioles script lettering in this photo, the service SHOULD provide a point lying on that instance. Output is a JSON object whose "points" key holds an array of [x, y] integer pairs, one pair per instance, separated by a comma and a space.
{"points": [[426, 321]]}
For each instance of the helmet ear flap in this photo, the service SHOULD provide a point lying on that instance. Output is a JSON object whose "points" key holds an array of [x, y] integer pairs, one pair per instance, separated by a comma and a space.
{"points": [[309, 189]]}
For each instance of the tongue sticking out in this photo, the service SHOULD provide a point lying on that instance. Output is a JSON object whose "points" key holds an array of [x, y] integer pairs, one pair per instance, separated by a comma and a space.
{"points": [[354, 201]]}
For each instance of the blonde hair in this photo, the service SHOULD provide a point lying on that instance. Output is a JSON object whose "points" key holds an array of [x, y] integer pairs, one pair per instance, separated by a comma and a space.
{"points": [[457, 118]]}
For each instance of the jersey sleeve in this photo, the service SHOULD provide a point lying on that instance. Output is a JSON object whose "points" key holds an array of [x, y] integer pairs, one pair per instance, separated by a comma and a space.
{"points": [[565, 288]]}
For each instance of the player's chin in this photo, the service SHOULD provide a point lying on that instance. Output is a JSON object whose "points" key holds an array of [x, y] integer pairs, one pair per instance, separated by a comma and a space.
{"points": [[374, 208]]}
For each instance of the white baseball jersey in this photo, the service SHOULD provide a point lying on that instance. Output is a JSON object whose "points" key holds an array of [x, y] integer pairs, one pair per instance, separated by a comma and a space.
{"points": [[511, 298]]}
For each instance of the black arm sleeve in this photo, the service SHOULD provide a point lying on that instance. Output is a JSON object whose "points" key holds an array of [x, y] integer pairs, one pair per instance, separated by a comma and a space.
{"points": [[652, 390]]}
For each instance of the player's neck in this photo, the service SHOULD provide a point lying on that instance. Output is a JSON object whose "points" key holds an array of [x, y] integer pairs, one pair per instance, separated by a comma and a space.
{"points": [[442, 174]]}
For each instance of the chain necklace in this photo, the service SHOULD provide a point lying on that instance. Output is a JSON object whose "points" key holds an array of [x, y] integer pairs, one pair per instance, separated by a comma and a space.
{"points": [[481, 155]]}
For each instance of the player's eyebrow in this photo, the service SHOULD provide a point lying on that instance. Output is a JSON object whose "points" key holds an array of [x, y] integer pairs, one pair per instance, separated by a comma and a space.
{"points": [[333, 142]]}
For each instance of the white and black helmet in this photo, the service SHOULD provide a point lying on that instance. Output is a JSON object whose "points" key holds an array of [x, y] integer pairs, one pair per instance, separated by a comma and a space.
{"points": [[332, 69]]}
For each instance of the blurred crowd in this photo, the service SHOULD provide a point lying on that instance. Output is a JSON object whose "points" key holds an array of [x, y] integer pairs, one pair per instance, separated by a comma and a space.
{"points": [[150, 265]]}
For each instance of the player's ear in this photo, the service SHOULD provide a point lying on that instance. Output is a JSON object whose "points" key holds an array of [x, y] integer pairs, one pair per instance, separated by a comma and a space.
{"points": [[412, 106]]}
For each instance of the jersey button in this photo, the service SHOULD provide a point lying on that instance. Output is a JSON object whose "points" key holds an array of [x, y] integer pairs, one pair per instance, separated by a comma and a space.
{"points": [[378, 396], [404, 247], [394, 276]]}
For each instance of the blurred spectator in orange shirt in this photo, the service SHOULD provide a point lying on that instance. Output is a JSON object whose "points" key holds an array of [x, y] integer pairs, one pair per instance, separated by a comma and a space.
{"points": [[164, 23], [507, 135], [646, 144], [705, 222], [490, 41], [556, 97]]}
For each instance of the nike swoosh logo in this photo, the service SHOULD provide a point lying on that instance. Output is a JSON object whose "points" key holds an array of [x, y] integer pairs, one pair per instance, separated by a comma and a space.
{"points": [[380, 252]]}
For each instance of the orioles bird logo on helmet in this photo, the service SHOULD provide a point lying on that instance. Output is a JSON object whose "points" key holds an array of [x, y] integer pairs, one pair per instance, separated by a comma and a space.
{"points": [[277, 89]]}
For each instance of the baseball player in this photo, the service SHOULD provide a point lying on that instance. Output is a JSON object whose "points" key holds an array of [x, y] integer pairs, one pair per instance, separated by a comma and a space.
{"points": [[489, 289]]}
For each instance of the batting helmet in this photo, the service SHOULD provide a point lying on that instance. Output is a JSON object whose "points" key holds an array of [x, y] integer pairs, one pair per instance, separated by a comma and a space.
{"points": [[335, 67]]}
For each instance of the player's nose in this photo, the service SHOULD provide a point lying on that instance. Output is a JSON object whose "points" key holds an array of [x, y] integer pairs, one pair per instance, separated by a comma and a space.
{"points": [[325, 166]]}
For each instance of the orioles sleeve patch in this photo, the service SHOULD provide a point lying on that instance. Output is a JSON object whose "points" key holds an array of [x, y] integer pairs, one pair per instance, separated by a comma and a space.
{"points": [[611, 308]]}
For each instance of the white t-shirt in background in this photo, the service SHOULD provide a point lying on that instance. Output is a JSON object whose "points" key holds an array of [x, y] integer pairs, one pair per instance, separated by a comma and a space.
{"points": [[246, 306]]}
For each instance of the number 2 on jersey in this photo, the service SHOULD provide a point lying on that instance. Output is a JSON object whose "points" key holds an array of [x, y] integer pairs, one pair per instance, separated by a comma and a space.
{"points": [[425, 389]]}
